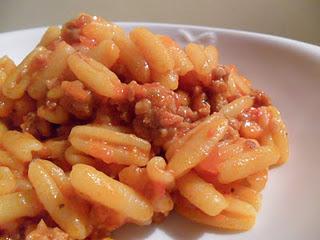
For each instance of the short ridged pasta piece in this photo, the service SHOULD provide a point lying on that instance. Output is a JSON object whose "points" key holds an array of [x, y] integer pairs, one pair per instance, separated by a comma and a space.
{"points": [[239, 207], [106, 52], [7, 160], [6, 65], [196, 144], [157, 55], [20, 145], [99, 30], [251, 130], [234, 108], [49, 189], [56, 65], [182, 64], [110, 146], [37, 89], [23, 184], [258, 180], [153, 50], [17, 205], [57, 61], [212, 55], [201, 194], [224, 220], [7, 181], [135, 177], [247, 163], [168, 79], [73, 156], [132, 59], [163, 205], [237, 84], [156, 169], [58, 176], [95, 76], [18, 80], [248, 195], [100, 188], [52, 34], [279, 135], [203, 59]]}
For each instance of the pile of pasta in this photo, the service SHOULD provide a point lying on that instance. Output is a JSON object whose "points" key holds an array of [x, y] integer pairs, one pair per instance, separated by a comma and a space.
{"points": [[100, 128]]}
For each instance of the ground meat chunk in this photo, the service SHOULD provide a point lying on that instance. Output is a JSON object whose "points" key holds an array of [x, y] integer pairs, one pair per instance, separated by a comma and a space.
{"points": [[200, 102], [160, 113], [71, 31], [261, 98], [105, 220], [76, 99], [42, 232], [36, 126]]}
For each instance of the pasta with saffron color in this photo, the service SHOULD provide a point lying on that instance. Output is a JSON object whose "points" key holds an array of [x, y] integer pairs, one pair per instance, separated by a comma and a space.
{"points": [[100, 128]]}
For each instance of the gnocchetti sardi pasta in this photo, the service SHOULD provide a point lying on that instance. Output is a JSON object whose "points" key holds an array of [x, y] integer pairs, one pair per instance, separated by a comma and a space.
{"points": [[100, 128]]}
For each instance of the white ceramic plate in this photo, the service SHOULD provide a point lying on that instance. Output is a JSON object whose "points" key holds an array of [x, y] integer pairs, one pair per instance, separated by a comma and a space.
{"points": [[289, 71]]}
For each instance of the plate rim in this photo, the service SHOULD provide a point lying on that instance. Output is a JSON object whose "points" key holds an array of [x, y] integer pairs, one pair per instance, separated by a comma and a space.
{"points": [[310, 50], [264, 36]]}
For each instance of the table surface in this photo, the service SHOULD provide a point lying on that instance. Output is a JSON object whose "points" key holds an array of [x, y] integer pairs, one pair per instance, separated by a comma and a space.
{"points": [[296, 19]]}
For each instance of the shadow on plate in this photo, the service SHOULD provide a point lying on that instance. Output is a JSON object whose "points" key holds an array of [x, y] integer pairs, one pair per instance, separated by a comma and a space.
{"points": [[173, 227], [134, 232]]}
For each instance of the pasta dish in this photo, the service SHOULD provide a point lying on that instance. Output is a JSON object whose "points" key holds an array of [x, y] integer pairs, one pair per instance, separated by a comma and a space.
{"points": [[100, 128]]}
